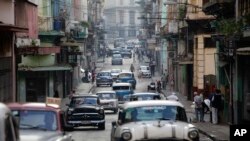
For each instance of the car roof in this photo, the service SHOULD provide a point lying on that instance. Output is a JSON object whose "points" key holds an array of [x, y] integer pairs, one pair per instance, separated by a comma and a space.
{"points": [[101, 92], [84, 95], [104, 71], [33, 106], [126, 71], [121, 84], [145, 93], [133, 104], [144, 66]]}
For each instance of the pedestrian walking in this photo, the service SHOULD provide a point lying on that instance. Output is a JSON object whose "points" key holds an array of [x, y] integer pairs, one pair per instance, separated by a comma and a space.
{"points": [[158, 86], [216, 105], [93, 76], [132, 68], [173, 97], [198, 100]]}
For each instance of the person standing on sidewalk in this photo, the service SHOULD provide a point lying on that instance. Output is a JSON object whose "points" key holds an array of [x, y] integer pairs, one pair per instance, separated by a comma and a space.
{"points": [[215, 104], [132, 68], [173, 97], [198, 100]]}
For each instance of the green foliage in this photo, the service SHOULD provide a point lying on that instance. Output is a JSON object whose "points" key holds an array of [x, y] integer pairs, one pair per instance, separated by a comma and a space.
{"points": [[182, 12], [228, 27], [84, 24]]}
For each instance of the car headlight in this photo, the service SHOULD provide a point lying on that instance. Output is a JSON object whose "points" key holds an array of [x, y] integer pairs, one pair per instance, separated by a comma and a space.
{"points": [[101, 111], [70, 111], [126, 135], [192, 134]]}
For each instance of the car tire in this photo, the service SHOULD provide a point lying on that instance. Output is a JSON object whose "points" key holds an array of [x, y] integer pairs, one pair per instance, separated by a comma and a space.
{"points": [[101, 126], [97, 85]]}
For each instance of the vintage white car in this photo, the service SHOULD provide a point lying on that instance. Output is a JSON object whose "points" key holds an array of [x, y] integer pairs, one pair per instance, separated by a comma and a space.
{"points": [[108, 100], [153, 120], [145, 71], [9, 130]]}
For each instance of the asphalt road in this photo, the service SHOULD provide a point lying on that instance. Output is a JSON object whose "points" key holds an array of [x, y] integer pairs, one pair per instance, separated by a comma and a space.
{"points": [[92, 133]]}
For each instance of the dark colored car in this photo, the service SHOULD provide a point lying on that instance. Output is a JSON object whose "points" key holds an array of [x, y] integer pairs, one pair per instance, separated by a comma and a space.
{"points": [[85, 110], [104, 78], [117, 59], [127, 77], [126, 53]]}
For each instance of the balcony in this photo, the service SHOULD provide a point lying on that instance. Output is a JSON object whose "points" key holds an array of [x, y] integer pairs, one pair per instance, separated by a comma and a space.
{"points": [[220, 8], [33, 50]]}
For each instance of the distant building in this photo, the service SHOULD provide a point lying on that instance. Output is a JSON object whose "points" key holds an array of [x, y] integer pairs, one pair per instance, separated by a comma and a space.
{"points": [[121, 19]]}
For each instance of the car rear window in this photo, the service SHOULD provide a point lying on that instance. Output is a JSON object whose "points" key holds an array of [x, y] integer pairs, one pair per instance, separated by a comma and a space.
{"points": [[103, 74], [125, 75], [121, 88], [106, 96]]}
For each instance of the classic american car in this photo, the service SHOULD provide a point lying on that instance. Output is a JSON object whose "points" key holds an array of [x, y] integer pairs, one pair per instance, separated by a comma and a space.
{"points": [[85, 110], [127, 77], [104, 78], [122, 90], [108, 100], [115, 73], [117, 59], [9, 130], [40, 122], [145, 96], [145, 71], [153, 120]]}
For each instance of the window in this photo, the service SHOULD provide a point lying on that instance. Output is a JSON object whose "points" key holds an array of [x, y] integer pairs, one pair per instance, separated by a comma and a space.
{"points": [[121, 33], [132, 33], [209, 43], [131, 17], [121, 15]]}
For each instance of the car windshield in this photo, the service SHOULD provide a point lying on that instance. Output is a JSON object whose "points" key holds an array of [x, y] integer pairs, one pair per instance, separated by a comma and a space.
{"points": [[117, 56], [121, 88], [144, 97], [103, 74], [144, 68], [149, 113], [125, 75], [77, 101], [106, 96], [36, 119]]}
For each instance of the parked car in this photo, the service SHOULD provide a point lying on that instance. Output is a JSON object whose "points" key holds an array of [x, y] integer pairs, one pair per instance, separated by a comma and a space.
{"points": [[153, 120], [9, 130], [127, 77], [115, 73], [145, 96], [117, 59], [108, 100], [145, 71], [122, 90], [104, 78], [85, 110], [40, 122]]}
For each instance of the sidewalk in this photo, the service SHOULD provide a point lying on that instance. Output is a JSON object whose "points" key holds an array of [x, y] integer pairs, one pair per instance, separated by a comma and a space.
{"points": [[220, 132]]}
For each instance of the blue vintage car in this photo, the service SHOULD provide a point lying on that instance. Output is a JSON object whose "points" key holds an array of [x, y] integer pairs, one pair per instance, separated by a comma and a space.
{"points": [[127, 77], [122, 91]]}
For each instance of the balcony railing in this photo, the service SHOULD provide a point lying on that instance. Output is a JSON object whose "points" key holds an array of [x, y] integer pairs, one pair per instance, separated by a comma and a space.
{"points": [[38, 50]]}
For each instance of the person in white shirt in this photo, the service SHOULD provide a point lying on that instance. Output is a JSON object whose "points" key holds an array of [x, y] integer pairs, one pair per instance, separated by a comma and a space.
{"points": [[173, 97]]}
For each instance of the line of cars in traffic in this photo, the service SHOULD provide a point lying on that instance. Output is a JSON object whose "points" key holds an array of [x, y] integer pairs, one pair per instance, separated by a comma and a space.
{"points": [[141, 116]]}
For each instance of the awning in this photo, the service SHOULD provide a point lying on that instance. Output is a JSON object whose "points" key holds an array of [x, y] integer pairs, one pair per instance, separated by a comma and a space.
{"points": [[12, 28], [243, 51], [47, 68]]}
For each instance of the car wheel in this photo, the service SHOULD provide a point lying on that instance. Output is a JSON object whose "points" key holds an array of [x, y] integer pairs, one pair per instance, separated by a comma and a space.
{"points": [[97, 85], [101, 126]]}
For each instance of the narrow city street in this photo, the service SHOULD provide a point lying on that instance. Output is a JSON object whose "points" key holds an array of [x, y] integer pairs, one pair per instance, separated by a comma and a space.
{"points": [[92, 133]]}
